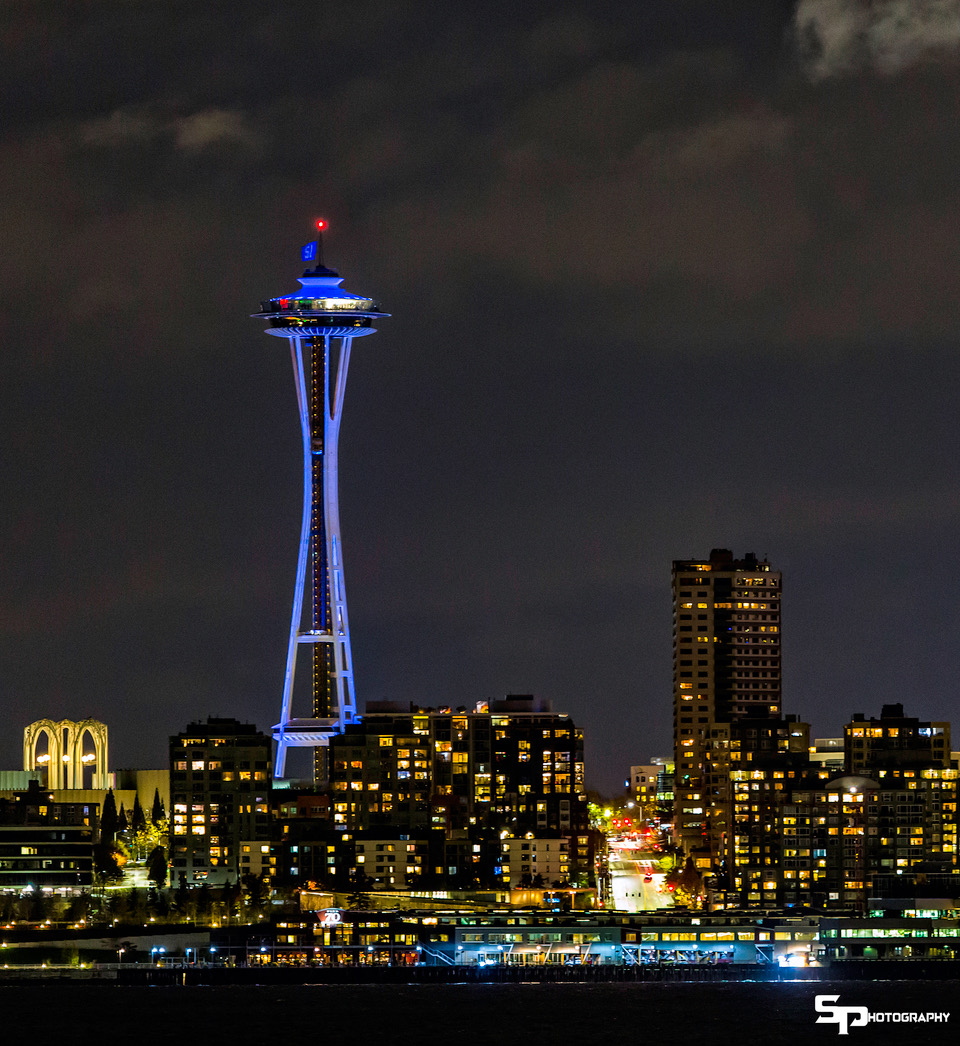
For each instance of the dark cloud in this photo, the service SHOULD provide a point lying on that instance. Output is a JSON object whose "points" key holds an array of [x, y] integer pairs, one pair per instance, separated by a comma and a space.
{"points": [[660, 280]]}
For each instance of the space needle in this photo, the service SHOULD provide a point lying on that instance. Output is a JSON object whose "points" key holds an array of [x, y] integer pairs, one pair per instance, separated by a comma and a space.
{"points": [[319, 322]]}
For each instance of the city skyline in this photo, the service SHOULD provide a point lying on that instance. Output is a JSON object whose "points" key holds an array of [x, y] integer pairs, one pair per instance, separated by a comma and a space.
{"points": [[659, 286]]}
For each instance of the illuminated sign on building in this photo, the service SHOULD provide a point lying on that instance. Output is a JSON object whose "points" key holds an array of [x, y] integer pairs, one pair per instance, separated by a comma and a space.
{"points": [[330, 916]]}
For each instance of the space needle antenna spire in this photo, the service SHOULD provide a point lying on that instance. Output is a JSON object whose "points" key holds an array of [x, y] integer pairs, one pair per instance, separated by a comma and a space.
{"points": [[319, 323]]}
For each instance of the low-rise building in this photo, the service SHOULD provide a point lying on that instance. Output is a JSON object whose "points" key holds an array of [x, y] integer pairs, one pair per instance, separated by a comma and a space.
{"points": [[894, 741], [45, 843], [532, 861], [393, 863]]}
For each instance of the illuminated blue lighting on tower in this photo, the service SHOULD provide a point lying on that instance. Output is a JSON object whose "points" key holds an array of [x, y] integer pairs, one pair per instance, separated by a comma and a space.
{"points": [[320, 322]]}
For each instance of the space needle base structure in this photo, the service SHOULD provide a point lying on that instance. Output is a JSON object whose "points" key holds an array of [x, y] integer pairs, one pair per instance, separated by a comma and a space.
{"points": [[319, 322]]}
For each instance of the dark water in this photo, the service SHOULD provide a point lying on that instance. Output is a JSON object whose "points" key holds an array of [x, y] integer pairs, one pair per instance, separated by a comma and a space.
{"points": [[470, 1015]]}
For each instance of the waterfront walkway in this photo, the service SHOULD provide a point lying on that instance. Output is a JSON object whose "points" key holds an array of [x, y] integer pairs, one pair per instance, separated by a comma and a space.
{"points": [[200, 974]]}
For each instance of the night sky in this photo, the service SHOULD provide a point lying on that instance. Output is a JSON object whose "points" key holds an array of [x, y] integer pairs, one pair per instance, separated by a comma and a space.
{"points": [[663, 277]]}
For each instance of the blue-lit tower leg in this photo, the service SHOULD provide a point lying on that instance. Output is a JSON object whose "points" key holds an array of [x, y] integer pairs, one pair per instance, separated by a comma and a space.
{"points": [[320, 323]]}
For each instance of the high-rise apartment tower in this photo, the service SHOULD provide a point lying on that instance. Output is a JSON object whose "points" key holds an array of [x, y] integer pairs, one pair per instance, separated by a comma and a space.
{"points": [[219, 792], [726, 665]]}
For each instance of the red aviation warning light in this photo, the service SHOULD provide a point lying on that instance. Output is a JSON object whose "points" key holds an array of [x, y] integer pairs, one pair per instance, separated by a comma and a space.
{"points": [[313, 251]]}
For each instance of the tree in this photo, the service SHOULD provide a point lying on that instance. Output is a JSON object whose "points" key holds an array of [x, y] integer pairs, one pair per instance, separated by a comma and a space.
{"points": [[147, 834], [157, 867], [109, 856], [180, 897], [137, 904], [360, 883], [108, 818], [39, 908], [106, 862], [204, 901], [689, 885], [254, 890], [157, 814], [79, 907], [230, 896], [118, 905], [137, 821], [122, 820], [8, 908], [157, 903]]}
